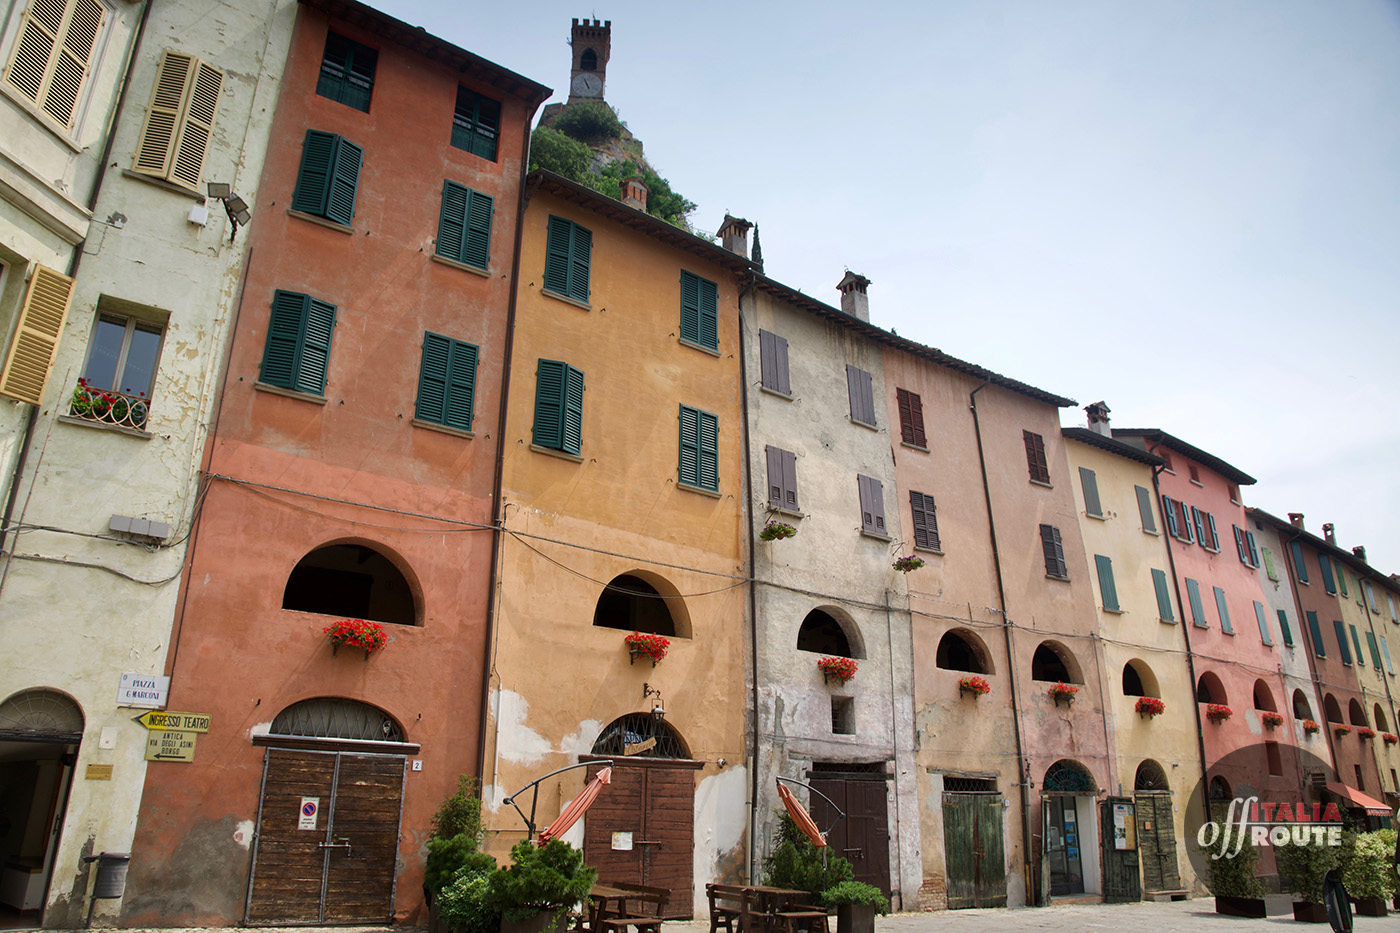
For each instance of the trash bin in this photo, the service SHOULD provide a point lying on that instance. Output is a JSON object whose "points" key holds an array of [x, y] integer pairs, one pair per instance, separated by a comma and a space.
{"points": [[111, 877]]}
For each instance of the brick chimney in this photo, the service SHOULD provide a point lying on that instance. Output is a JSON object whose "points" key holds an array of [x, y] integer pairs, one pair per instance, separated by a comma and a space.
{"points": [[734, 235], [1359, 551], [1296, 520], [853, 301], [634, 193], [1098, 418], [1329, 532]]}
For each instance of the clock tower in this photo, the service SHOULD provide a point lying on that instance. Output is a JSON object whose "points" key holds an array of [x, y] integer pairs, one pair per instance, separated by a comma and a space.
{"points": [[592, 43]]}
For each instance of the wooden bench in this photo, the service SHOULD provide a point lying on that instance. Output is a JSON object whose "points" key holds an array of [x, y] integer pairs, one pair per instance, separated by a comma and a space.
{"points": [[620, 924], [729, 903], [806, 919], [645, 895]]}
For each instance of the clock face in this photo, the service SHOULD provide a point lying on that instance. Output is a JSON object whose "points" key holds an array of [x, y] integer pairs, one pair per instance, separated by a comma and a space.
{"points": [[587, 85]]}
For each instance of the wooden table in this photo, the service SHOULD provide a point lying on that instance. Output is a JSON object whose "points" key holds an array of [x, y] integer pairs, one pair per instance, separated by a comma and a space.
{"points": [[771, 904], [608, 913]]}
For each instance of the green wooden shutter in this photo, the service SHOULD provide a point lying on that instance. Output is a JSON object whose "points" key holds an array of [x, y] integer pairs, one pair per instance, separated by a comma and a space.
{"points": [[1164, 596], [1356, 643], [476, 249], [447, 382], [347, 72], [1225, 625], [452, 221], [1328, 584], [1199, 520], [1375, 649], [689, 467], [690, 307], [1239, 544], [1299, 566], [284, 330], [1385, 650], [709, 451], [345, 180], [1198, 612], [1285, 628], [556, 261], [1186, 522], [580, 257], [1090, 484], [1342, 580], [1169, 513], [1342, 641], [1106, 586], [1269, 564], [573, 410], [699, 310], [316, 347], [549, 405], [1263, 623], [1214, 535], [314, 175], [1315, 630], [1144, 499], [1253, 551]]}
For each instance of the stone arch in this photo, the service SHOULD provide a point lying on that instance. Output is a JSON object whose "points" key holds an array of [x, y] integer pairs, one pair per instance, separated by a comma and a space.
{"points": [[643, 601], [1357, 713], [1331, 708], [1209, 689], [633, 729], [41, 714], [1302, 709], [1053, 662], [1068, 776], [963, 650], [588, 61], [830, 630], [357, 579], [1139, 680], [1264, 697], [337, 718], [1219, 789], [1150, 777]]}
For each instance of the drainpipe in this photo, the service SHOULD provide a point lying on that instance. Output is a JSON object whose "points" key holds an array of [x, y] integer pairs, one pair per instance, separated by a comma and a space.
{"points": [[497, 508], [750, 854], [1022, 764], [1186, 635], [894, 746]]}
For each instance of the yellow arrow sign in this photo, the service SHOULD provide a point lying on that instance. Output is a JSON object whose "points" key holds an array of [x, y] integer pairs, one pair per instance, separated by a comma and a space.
{"points": [[170, 745], [160, 719]]}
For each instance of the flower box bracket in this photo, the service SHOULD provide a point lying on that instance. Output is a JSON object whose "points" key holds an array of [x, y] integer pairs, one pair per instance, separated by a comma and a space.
{"points": [[1063, 700]]}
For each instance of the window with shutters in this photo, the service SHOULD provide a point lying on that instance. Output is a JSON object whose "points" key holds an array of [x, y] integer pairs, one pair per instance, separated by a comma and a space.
{"points": [[1193, 596], [53, 55], [925, 513], [558, 408], [860, 388], [1342, 645], [699, 449], [120, 373], [1251, 549], [1035, 457], [782, 479], [1108, 591], [41, 319], [1299, 566], [1240, 545], [1342, 580], [567, 257], [1263, 621], [1089, 486], [1164, 596], [1144, 501], [1054, 549], [1169, 513], [1285, 629], [1315, 630], [1375, 649], [1356, 646], [476, 124], [1214, 539], [1268, 556], [1188, 533], [464, 226], [773, 363], [328, 177], [1225, 624], [298, 351], [872, 505], [179, 120], [1324, 563], [699, 312], [347, 72], [911, 419], [446, 382]]}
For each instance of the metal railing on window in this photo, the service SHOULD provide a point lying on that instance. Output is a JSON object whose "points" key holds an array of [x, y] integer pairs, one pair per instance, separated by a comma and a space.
{"points": [[108, 407]]}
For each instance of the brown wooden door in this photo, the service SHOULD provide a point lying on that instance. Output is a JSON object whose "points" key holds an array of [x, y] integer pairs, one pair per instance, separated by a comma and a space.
{"points": [[863, 836], [1156, 833], [655, 804], [338, 864]]}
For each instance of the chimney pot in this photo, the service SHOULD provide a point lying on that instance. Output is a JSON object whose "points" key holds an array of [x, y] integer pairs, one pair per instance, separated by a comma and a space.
{"points": [[853, 300], [634, 193], [1329, 532], [1296, 520], [1359, 551], [1098, 418], [734, 235]]}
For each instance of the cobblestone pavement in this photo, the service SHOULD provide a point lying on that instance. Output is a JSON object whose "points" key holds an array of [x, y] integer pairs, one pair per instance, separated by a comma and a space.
{"points": [[1176, 917]]}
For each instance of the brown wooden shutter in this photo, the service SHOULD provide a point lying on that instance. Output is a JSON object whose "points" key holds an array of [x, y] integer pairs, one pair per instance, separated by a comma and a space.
{"points": [[911, 418], [1035, 457], [40, 324], [775, 476]]}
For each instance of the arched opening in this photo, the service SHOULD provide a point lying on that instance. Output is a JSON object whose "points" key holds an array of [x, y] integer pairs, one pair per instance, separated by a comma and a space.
{"points": [[1138, 680], [1068, 777], [352, 580], [828, 631], [1150, 777], [1357, 713], [1055, 663], [635, 731], [961, 650], [642, 602], [41, 715], [337, 718], [1380, 720], [1332, 708], [1219, 789], [1209, 689], [1264, 697], [588, 61], [1301, 708]]}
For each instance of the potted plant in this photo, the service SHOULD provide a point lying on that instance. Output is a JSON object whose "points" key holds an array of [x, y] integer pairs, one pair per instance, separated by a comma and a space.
{"points": [[1301, 867], [1364, 733], [974, 686], [1340, 731], [1218, 712], [356, 633], [1063, 693], [839, 670], [776, 531], [536, 891], [647, 646], [1368, 872], [856, 905], [1310, 727], [1390, 738], [1230, 875], [1147, 707], [1272, 720], [453, 841], [906, 564]]}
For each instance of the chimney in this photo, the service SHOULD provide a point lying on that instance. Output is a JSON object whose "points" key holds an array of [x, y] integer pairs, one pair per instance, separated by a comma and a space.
{"points": [[1359, 551], [853, 300], [634, 194], [1098, 418], [1329, 532], [1296, 520], [734, 235]]}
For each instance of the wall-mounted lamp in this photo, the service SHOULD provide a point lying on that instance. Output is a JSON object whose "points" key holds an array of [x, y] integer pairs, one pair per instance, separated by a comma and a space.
{"points": [[658, 712], [234, 206]]}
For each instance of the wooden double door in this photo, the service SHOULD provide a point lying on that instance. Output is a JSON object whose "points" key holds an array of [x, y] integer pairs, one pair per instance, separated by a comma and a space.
{"points": [[327, 840], [1156, 836], [973, 850], [641, 829], [863, 836]]}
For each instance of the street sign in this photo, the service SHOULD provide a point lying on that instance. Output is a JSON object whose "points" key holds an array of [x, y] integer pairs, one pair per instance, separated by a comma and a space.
{"points": [[170, 719], [309, 806], [170, 745], [143, 690]]}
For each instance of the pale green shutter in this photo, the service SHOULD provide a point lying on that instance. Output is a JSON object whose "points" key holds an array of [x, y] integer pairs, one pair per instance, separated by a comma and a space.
{"points": [[1106, 586], [1263, 623], [1164, 597]]}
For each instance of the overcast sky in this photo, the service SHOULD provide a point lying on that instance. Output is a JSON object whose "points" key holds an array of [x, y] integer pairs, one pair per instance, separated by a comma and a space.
{"points": [[1188, 209]]}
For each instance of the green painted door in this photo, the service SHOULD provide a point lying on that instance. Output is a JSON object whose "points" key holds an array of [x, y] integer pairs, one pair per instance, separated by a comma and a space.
{"points": [[974, 853]]}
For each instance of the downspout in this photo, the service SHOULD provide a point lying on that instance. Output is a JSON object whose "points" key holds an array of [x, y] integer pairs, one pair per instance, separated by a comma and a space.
{"points": [[1022, 765], [497, 509], [894, 746], [751, 854], [27, 439], [1186, 636]]}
